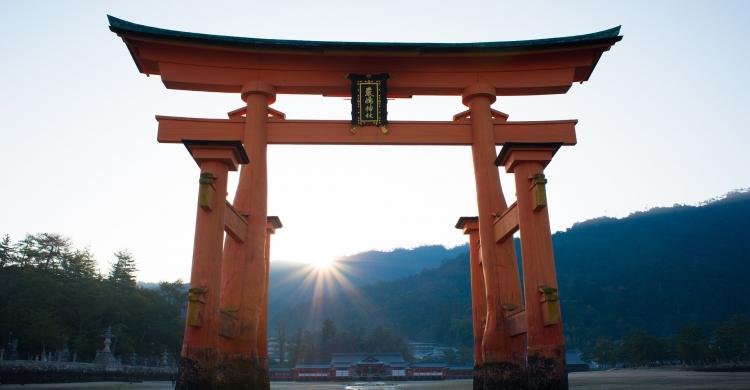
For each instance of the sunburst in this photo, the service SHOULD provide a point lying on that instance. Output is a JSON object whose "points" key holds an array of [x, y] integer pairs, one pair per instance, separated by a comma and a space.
{"points": [[322, 278]]}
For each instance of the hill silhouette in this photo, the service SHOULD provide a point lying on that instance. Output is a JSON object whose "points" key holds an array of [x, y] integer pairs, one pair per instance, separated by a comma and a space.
{"points": [[293, 282], [655, 270]]}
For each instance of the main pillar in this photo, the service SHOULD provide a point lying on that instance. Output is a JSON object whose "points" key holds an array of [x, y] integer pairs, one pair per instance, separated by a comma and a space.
{"points": [[546, 356], [502, 367], [243, 276], [199, 348], [470, 226], [272, 223]]}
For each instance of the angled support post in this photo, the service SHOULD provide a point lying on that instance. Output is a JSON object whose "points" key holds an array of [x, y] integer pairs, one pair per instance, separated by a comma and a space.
{"points": [[470, 227], [272, 223], [545, 354], [199, 355]]}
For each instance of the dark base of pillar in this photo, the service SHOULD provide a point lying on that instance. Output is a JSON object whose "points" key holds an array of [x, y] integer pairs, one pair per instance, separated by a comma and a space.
{"points": [[547, 373], [238, 373], [499, 376], [193, 375]]}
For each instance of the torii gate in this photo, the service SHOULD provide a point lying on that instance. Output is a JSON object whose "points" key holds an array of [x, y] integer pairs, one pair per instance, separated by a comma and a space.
{"points": [[518, 339]]}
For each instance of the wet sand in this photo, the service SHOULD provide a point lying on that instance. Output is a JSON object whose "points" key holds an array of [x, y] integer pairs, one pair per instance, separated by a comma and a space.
{"points": [[659, 378], [668, 379]]}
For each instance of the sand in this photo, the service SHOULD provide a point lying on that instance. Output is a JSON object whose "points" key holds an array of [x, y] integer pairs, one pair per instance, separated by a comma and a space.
{"points": [[658, 378]]}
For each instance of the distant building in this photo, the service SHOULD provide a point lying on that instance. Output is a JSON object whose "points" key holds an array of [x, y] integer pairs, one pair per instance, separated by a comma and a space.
{"points": [[574, 363], [312, 372], [388, 366], [428, 370], [281, 374], [274, 351], [430, 351], [422, 350], [370, 366]]}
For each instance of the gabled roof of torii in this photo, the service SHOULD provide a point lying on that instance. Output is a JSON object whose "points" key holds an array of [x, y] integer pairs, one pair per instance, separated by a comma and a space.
{"points": [[609, 36], [218, 63]]}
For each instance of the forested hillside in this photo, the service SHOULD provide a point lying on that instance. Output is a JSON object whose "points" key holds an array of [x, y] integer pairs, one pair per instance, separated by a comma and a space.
{"points": [[657, 271], [293, 282]]}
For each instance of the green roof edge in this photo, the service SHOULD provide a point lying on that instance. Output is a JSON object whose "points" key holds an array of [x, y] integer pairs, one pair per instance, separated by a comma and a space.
{"points": [[123, 26]]}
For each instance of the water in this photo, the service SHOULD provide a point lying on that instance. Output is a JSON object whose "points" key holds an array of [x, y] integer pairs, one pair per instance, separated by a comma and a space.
{"points": [[372, 386]]}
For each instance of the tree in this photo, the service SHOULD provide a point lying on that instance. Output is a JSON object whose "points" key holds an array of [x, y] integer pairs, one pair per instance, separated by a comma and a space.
{"points": [[295, 348], [732, 339], [7, 252], [307, 347], [43, 250], [79, 263], [465, 355], [174, 293], [451, 356], [604, 353], [327, 340], [122, 273], [641, 348], [692, 345], [281, 339], [44, 329], [56, 298]]}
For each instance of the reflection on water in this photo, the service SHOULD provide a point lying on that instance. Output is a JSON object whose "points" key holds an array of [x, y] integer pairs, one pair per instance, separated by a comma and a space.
{"points": [[372, 386]]}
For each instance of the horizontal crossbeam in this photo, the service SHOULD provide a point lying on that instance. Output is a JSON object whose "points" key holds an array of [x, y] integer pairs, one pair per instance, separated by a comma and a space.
{"points": [[235, 224], [507, 223], [332, 132], [517, 323]]}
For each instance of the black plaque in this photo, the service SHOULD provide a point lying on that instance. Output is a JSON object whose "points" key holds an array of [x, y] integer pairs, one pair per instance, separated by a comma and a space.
{"points": [[369, 99]]}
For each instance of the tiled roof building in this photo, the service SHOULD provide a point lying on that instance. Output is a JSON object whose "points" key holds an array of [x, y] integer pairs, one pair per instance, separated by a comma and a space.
{"points": [[369, 366]]}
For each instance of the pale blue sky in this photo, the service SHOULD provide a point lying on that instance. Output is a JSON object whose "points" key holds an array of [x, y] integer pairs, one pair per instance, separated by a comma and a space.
{"points": [[662, 121]]}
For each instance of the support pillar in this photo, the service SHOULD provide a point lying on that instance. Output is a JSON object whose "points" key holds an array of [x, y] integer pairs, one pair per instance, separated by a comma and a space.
{"points": [[545, 355], [470, 226], [199, 354], [243, 276], [502, 367], [272, 223]]}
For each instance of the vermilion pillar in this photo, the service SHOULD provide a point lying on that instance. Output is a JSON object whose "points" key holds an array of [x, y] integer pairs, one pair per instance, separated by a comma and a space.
{"points": [[545, 356], [470, 226], [502, 359], [199, 354], [243, 277], [272, 223]]}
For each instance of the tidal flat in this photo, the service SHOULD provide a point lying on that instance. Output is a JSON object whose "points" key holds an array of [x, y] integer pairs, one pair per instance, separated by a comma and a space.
{"points": [[631, 379]]}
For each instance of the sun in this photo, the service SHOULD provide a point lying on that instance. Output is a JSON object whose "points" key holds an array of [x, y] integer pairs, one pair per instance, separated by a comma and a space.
{"points": [[322, 264]]}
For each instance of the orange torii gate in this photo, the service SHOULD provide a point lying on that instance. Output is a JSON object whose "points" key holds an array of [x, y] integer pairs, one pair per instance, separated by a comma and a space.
{"points": [[518, 338]]}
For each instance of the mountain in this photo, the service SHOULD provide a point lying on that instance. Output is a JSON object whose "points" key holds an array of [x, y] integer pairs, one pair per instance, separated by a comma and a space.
{"points": [[292, 282], [656, 270]]}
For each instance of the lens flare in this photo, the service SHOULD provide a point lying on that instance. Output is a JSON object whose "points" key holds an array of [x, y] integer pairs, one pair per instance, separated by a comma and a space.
{"points": [[322, 264], [321, 280]]}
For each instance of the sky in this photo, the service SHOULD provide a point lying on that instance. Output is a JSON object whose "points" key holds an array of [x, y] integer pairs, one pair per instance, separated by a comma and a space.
{"points": [[661, 121]]}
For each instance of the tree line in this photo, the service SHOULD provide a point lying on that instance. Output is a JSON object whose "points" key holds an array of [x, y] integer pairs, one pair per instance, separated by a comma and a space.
{"points": [[318, 345], [727, 344], [54, 297]]}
